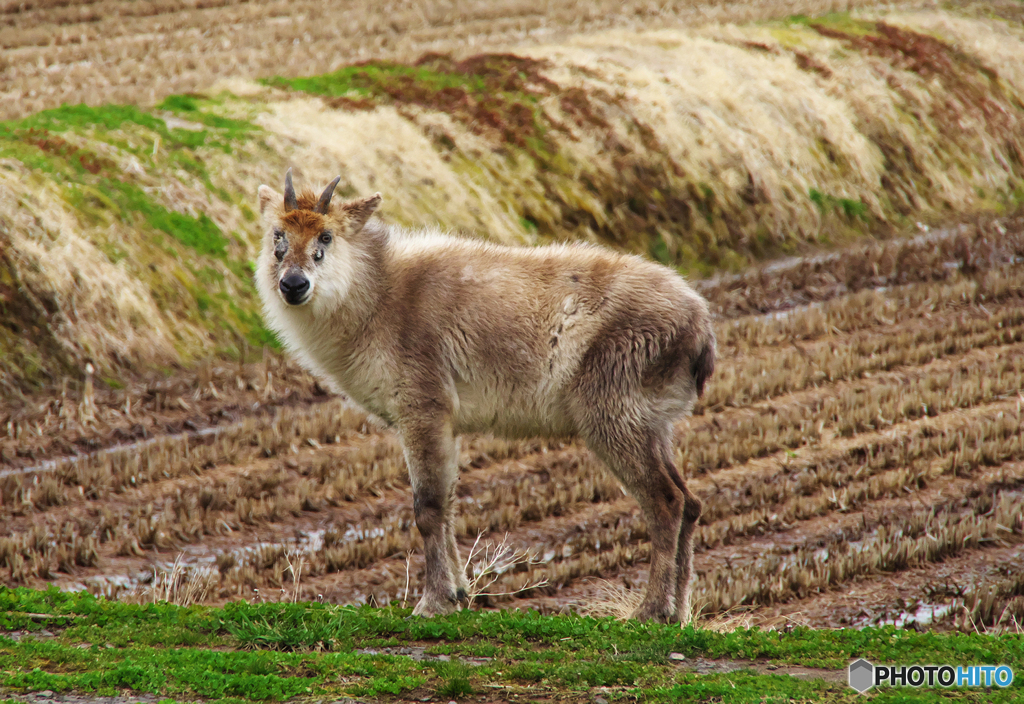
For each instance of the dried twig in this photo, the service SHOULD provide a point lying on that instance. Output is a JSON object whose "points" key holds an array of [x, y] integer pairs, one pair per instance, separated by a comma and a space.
{"points": [[405, 594], [486, 565]]}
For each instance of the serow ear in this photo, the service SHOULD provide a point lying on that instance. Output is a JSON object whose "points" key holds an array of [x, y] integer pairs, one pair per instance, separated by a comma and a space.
{"points": [[359, 211], [267, 195]]}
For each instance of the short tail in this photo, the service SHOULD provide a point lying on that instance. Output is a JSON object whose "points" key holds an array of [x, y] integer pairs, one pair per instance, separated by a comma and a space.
{"points": [[703, 365]]}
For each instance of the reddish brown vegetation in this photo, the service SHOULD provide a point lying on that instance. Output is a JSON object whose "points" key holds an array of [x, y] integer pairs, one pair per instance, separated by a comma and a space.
{"points": [[970, 98], [57, 146]]}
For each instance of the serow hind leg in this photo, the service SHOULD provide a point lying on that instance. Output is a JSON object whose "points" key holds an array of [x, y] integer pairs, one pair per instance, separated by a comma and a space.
{"points": [[432, 456], [692, 508], [635, 458], [684, 555]]}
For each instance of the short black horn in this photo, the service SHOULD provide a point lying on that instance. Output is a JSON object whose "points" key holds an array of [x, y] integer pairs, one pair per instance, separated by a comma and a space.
{"points": [[324, 203], [290, 201]]}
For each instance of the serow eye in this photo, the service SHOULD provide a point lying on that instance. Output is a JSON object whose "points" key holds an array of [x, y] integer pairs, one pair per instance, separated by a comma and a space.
{"points": [[278, 234], [318, 255], [325, 238]]}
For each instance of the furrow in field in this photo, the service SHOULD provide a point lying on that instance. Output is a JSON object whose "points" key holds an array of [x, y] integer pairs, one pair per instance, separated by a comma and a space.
{"points": [[869, 308], [776, 478], [959, 451], [936, 256], [963, 514], [997, 604], [176, 511], [748, 379], [102, 473], [970, 592], [71, 419], [882, 400], [922, 537]]}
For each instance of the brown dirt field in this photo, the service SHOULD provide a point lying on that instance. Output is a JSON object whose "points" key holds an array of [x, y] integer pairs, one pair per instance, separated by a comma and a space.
{"points": [[859, 454], [116, 51], [194, 400]]}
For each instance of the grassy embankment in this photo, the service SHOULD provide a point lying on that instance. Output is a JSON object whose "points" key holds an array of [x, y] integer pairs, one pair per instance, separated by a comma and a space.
{"points": [[246, 652], [113, 232], [127, 233]]}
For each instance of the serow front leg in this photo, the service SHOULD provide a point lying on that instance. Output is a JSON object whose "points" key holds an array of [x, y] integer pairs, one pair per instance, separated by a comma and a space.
{"points": [[432, 456]]}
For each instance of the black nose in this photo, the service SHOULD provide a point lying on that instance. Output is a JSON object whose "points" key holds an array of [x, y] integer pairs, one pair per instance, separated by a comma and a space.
{"points": [[294, 287]]}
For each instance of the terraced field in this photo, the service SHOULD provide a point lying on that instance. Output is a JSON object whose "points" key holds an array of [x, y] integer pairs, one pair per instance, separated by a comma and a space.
{"points": [[859, 454], [103, 51]]}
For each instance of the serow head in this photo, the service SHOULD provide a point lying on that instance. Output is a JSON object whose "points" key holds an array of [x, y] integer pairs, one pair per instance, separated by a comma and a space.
{"points": [[308, 238]]}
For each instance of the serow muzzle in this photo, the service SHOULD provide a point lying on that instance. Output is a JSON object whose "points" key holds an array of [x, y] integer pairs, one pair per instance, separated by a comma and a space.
{"points": [[294, 288]]}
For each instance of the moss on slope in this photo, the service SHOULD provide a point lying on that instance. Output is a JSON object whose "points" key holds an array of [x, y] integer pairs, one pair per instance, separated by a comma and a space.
{"points": [[100, 197], [129, 233]]}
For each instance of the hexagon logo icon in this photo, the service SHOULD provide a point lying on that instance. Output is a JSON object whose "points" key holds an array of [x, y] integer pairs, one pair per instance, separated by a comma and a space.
{"points": [[862, 675]]}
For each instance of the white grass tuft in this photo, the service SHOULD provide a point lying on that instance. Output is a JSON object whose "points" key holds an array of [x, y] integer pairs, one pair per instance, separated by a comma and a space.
{"points": [[181, 586]]}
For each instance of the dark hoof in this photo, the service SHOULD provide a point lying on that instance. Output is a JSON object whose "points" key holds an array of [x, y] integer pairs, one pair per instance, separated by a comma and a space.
{"points": [[656, 615], [435, 605]]}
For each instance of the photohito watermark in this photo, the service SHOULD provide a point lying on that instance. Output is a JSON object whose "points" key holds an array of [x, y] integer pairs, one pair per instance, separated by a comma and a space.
{"points": [[864, 675]]}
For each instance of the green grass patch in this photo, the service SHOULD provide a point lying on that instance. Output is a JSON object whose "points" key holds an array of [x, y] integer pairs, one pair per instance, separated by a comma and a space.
{"points": [[83, 117], [490, 93], [455, 679], [199, 233], [95, 186], [838, 22], [273, 652], [381, 78], [42, 150], [197, 109], [114, 199], [40, 141], [81, 150], [852, 209], [220, 132]]}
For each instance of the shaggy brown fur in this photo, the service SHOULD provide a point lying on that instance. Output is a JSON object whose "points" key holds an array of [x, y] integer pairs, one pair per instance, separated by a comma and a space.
{"points": [[439, 335]]}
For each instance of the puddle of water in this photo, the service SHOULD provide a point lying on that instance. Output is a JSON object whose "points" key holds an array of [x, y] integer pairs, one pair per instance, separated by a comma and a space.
{"points": [[790, 263], [562, 553], [58, 462], [55, 464], [417, 653], [31, 635], [923, 615], [198, 558]]}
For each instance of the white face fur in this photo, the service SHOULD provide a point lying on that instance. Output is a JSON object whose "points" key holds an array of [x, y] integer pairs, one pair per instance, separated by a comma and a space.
{"points": [[308, 258]]}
